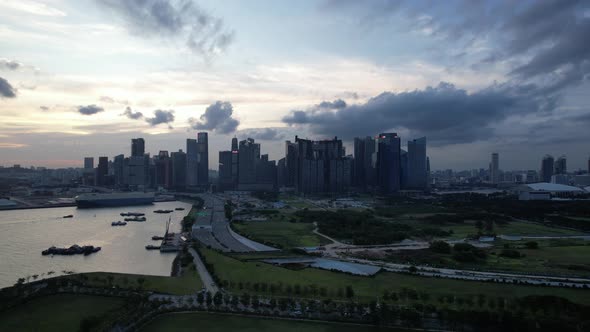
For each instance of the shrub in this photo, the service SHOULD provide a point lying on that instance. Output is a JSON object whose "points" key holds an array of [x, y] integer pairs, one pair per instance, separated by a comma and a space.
{"points": [[440, 247], [510, 253]]}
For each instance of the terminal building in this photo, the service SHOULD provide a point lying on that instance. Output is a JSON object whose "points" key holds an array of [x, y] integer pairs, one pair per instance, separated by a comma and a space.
{"points": [[546, 191]]}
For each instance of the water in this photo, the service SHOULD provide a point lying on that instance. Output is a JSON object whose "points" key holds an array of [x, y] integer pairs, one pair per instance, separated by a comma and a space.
{"points": [[25, 233]]}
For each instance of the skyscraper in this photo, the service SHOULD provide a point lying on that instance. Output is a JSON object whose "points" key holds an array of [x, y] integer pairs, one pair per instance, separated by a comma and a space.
{"points": [[137, 147], [178, 170], [290, 163], [234, 144], [203, 159], [495, 168], [102, 171], [417, 177], [547, 168], [249, 152], [118, 169], [364, 170], [88, 163], [588, 165], [163, 170], [388, 163], [560, 165], [192, 162], [225, 170]]}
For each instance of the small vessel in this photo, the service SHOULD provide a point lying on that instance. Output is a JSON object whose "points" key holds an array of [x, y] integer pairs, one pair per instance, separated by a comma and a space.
{"points": [[132, 214], [163, 211], [152, 247], [68, 216], [157, 237], [73, 250], [118, 223], [179, 209], [135, 219]]}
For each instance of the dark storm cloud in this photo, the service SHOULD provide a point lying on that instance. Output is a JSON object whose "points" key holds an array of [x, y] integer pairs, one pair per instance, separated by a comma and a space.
{"points": [[161, 116], [263, 134], [446, 114], [336, 104], [10, 64], [217, 117], [201, 32], [6, 90], [90, 109], [132, 115]]}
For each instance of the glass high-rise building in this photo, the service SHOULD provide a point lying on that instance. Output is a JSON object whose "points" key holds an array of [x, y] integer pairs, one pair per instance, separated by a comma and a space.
{"points": [[389, 163], [203, 158], [417, 176], [137, 147], [192, 162], [547, 168]]}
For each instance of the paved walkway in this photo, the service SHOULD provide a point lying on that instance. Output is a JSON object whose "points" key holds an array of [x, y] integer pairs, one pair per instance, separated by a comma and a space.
{"points": [[206, 278]]}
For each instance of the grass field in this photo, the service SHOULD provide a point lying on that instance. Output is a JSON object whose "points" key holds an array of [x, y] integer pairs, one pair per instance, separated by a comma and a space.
{"points": [[188, 283], [512, 228], [369, 288], [56, 312], [284, 233], [205, 322]]}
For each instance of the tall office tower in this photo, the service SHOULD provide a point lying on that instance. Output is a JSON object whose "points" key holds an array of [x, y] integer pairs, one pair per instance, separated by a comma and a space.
{"points": [[290, 163], [547, 168], [266, 174], [225, 171], [588, 165], [138, 170], [388, 163], [560, 166], [118, 169], [163, 170], [234, 144], [359, 163], [137, 147], [178, 170], [249, 152], [417, 176], [203, 159], [102, 171], [403, 182], [495, 168], [192, 162], [88, 163], [281, 172], [427, 172]]}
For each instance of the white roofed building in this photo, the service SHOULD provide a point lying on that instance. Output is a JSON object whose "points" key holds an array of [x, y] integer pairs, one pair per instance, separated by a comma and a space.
{"points": [[544, 191]]}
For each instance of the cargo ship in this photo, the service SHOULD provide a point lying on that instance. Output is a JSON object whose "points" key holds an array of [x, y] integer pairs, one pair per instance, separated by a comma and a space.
{"points": [[114, 199]]}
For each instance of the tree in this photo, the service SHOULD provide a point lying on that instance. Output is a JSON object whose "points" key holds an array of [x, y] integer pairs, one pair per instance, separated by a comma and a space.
{"points": [[200, 298], [349, 292], [208, 298], [412, 269], [532, 245], [440, 247], [217, 299]]}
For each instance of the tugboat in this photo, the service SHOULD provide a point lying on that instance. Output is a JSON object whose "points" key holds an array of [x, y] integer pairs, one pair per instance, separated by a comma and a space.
{"points": [[73, 250], [152, 247], [179, 209], [157, 238], [68, 216], [118, 223]]}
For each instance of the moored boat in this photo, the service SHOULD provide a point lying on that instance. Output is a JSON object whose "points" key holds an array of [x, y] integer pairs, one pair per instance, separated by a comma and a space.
{"points": [[118, 223]]}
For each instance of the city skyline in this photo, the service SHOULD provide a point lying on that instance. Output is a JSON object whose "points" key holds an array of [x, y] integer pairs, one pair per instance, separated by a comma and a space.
{"points": [[472, 81]]}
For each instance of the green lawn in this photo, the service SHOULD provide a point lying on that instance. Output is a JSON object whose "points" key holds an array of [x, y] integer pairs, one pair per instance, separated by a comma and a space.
{"points": [[512, 228], [369, 288], [284, 233], [188, 283], [206, 322], [56, 312]]}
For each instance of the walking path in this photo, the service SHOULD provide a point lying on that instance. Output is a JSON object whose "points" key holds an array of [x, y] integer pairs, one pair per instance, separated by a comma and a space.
{"points": [[206, 278]]}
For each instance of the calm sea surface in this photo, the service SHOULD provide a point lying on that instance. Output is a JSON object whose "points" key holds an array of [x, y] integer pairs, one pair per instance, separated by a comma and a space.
{"points": [[25, 233]]}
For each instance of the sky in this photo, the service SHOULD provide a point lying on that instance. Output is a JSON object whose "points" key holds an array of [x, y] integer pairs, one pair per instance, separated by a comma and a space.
{"points": [[81, 78]]}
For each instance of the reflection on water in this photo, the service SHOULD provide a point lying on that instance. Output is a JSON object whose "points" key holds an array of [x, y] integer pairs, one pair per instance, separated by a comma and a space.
{"points": [[25, 233]]}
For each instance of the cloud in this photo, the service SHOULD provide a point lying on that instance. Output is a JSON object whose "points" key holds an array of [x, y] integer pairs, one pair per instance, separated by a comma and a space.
{"points": [[183, 19], [160, 116], [263, 134], [134, 115], [10, 64], [336, 104], [217, 117], [90, 109], [44, 108], [446, 114], [6, 90]]}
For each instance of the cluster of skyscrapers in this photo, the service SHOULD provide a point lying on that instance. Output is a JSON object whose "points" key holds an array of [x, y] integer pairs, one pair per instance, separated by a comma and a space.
{"points": [[309, 167], [177, 170]]}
